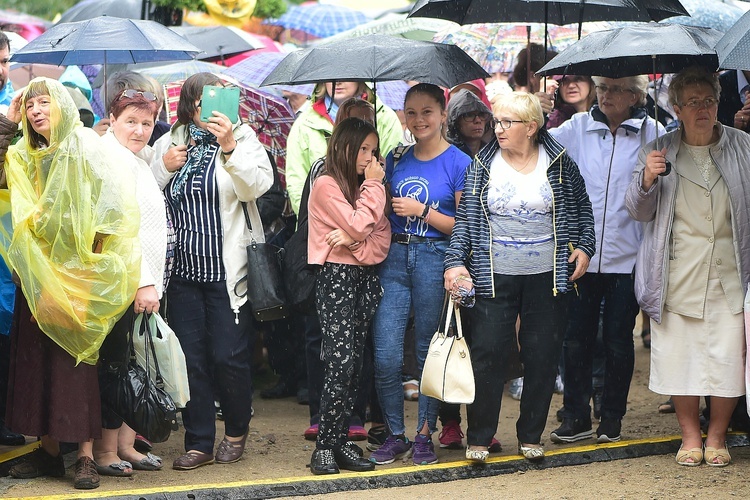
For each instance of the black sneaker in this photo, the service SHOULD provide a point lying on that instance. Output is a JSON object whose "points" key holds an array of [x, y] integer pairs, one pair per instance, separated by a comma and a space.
{"points": [[571, 430], [323, 462], [376, 436], [348, 458], [608, 431]]}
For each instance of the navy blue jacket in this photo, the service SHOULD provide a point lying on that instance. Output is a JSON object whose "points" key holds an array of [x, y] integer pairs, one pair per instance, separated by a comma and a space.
{"points": [[573, 219]]}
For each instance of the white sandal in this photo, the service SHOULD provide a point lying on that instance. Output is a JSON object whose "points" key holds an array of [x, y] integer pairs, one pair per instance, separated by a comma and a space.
{"points": [[477, 455], [411, 390], [531, 452]]}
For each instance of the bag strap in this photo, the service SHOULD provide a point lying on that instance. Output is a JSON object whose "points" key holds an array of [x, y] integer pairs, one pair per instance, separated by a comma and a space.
{"points": [[459, 328], [448, 315], [150, 346], [247, 220]]}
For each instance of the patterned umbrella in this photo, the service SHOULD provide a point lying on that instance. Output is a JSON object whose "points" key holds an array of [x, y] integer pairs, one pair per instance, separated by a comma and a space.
{"points": [[253, 70], [319, 20], [495, 46], [270, 117], [708, 14]]}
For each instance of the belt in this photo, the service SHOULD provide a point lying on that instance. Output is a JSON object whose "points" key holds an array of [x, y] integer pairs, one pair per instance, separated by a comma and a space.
{"points": [[406, 238]]}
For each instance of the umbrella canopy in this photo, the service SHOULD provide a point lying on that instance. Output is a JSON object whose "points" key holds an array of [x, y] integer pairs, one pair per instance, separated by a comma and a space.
{"points": [[165, 73], [709, 14], [733, 46], [376, 58], [89, 9], [270, 117], [319, 20], [413, 28], [631, 51], [547, 11], [253, 70], [218, 41], [495, 46], [25, 25], [106, 40]]}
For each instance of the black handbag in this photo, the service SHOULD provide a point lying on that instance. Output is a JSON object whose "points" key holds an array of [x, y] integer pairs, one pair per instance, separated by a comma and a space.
{"points": [[265, 285], [140, 401], [299, 276]]}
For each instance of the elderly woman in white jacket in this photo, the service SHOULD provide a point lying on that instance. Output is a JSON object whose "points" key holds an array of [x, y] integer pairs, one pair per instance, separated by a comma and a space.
{"points": [[208, 170], [604, 142], [132, 117]]}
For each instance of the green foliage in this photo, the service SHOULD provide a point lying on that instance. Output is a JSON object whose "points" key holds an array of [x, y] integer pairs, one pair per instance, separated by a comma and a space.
{"points": [[269, 9], [194, 5], [46, 9]]}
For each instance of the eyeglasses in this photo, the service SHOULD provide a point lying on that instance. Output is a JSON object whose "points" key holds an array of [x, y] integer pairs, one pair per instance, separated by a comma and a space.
{"points": [[615, 89], [506, 124], [708, 102], [132, 94], [470, 117]]}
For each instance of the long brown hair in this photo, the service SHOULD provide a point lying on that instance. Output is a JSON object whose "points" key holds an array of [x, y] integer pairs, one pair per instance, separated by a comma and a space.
{"points": [[341, 156]]}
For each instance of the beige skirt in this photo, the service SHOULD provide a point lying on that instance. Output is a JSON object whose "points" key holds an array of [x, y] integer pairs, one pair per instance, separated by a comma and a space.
{"points": [[700, 357]]}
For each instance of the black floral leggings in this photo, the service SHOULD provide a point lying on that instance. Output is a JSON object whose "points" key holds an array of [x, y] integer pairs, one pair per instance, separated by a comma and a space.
{"points": [[346, 299]]}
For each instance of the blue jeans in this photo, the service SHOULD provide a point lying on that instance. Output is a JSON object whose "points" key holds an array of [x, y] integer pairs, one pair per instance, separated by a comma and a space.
{"points": [[411, 276], [218, 356], [618, 319]]}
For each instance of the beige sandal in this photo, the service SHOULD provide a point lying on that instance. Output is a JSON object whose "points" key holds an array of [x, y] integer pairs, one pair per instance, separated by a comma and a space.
{"points": [[717, 457], [479, 456], [531, 452], [689, 458]]}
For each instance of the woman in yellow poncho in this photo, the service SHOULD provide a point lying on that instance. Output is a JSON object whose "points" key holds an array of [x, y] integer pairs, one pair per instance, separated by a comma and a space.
{"points": [[74, 247]]}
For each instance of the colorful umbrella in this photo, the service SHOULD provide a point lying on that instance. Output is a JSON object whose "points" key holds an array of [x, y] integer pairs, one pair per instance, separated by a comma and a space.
{"points": [[270, 117], [254, 69], [414, 28], [319, 20], [495, 46]]}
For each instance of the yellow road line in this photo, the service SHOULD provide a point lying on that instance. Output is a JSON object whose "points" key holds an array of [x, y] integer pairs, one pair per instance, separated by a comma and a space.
{"points": [[308, 478]]}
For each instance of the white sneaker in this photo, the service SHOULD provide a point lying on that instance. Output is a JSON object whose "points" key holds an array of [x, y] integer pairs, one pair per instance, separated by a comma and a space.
{"points": [[516, 388]]}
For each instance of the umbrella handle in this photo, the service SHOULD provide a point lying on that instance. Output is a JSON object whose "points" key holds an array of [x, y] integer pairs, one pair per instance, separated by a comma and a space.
{"points": [[668, 164]]}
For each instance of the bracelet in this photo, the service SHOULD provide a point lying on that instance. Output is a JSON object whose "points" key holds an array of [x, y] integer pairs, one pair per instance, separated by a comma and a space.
{"points": [[426, 218], [227, 153], [425, 212]]}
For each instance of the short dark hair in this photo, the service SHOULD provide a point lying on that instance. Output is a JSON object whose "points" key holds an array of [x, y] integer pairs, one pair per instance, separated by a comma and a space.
{"points": [[192, 90], [428, 89], [138, 102], [537, 61], [4, 41]]}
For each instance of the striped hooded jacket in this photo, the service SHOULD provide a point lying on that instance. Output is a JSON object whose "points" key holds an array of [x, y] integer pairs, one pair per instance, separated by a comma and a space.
{"points": [[573, 219]]}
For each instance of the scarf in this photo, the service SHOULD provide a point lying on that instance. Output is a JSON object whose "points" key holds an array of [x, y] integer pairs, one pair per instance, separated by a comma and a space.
{"points": [[196, 158]]}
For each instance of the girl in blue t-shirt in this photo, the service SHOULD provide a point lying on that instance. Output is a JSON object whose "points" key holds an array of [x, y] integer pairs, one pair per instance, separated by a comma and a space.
{"points": [[425, 184]]}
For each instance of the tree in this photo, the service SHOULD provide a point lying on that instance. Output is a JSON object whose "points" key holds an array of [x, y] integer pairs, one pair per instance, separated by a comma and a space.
{"points": [[46, 9]]}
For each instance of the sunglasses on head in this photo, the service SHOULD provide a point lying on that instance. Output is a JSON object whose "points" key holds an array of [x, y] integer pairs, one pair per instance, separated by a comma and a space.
{"points": [[132, 93]]}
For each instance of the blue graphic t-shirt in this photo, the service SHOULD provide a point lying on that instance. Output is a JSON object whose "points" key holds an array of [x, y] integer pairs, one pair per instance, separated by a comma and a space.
{"points": [[432, 182]]}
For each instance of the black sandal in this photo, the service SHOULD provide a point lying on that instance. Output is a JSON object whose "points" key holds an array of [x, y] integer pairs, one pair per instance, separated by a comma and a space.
{"points": [[646, 337], [667, 406]]}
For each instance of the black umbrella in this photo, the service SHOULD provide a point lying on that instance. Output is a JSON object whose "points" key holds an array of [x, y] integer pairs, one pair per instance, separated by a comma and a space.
{"points": [[377, 58], [89, 9], [547, 11], [637, 50], [734, 47], [218, 41]]}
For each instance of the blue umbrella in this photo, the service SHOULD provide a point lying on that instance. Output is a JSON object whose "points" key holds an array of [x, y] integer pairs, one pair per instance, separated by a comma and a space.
{"points": [[708, 14], [320, 20], [106, 40]]}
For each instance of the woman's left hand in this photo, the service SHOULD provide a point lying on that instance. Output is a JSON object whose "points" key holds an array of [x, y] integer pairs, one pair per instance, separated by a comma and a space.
{"points": [[14, 109], [582, 263], [146, 300], [221, 126], [407, 207], [337, 238]]}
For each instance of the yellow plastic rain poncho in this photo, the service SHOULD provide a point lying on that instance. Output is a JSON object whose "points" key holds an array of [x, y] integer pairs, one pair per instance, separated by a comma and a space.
{"points": [[63, 198]]}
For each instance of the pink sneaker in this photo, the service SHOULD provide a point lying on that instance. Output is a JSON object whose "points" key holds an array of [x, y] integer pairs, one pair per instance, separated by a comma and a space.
{"points": [[451, 436], [357, 433], [311, 433]]}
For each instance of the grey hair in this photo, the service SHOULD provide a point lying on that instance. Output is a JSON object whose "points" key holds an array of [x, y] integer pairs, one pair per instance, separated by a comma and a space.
{"points": [[638, 84], [691, 76], [123, 80]]}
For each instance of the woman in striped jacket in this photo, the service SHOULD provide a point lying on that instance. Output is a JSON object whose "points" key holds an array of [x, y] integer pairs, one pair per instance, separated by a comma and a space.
{"points": [[524, 233]]}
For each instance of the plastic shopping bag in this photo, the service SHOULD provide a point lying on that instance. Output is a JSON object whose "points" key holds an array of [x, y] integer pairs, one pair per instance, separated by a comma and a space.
{"points": [[169, 355]]}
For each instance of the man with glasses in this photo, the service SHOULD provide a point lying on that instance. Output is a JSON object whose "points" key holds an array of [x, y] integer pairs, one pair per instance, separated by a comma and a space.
{"points": [[604, 143]]}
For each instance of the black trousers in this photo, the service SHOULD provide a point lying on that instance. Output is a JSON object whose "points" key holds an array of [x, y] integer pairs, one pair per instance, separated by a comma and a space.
{"points": [[217, 346], [493, 328], [346, 299]]}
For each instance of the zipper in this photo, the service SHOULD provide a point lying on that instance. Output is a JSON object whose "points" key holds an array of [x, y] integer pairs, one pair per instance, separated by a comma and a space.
{"points": [[487, 218], [606, 199], [554, 224]]}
